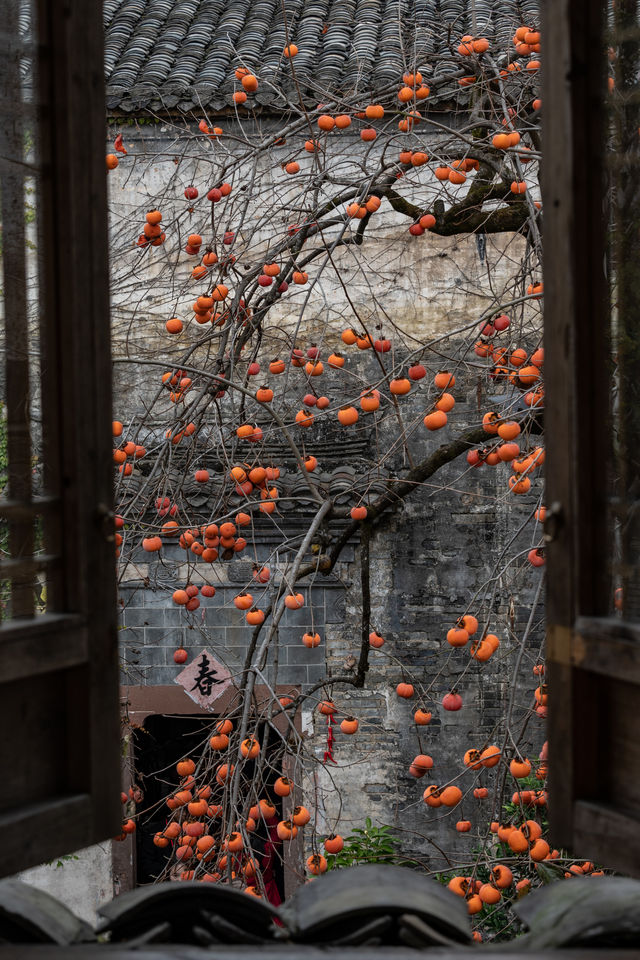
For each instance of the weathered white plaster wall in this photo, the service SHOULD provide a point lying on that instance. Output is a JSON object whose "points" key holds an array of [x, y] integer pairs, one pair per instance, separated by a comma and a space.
{"points": [[403, 286], [82, 884]]}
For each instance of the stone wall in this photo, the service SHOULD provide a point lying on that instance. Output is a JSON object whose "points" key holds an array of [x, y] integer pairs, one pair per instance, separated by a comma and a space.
{"points": [[414, 287], [455, 536], [154, 628], [425, 570]]}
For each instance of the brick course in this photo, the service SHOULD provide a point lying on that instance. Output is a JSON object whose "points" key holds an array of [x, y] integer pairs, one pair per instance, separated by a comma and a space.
{"points": [[427, 561]]}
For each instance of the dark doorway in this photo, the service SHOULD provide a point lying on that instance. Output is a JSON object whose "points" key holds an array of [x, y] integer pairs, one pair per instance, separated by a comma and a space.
{"points": [[158, 746]]}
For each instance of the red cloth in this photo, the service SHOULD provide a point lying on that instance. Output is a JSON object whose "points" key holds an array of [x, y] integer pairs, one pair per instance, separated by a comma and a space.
{"points": [[267, 866]]}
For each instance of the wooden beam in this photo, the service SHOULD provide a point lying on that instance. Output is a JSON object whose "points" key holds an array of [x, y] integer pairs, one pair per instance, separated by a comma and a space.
{"points": [[42, 645], [76, 386], [576, 382], [608, 647], [47, 830], [598, 832]]}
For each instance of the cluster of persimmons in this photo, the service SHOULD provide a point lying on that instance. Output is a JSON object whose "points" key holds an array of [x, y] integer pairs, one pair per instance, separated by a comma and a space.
{"points": [[265, 385]]}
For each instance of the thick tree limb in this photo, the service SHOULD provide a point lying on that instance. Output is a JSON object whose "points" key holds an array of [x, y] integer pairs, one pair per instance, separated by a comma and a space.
{"points": [[398, 490], [363, 662], [467, 216]]}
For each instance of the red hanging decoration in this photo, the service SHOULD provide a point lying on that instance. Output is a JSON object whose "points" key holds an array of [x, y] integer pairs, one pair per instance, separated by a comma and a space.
{"points": [[328, 754]]}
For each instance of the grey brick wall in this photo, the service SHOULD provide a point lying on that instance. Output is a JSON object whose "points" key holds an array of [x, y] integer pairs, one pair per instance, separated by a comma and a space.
{"points": [[427, 563], [152, 628]]}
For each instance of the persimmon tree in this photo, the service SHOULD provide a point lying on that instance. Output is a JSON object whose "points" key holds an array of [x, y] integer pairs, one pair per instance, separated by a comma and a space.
{"points": [[266, 268]]}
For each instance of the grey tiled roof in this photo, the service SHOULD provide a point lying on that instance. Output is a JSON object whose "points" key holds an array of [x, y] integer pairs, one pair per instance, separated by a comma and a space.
{"points": [[181, 54]]}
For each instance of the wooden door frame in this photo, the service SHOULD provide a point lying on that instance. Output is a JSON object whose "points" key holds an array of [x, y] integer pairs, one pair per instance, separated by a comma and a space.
{"points": [[144, 701], [63, 664], [592, 659]]}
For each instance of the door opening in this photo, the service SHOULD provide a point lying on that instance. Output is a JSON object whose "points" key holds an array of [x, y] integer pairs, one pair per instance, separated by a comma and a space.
{"points": [[158, 747]]}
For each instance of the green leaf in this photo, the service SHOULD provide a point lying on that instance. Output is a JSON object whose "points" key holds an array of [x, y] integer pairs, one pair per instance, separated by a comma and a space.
{"points": [[549, 873]]}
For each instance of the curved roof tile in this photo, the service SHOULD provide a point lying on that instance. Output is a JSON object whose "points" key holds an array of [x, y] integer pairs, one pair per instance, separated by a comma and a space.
{"points": [[168, 54]]}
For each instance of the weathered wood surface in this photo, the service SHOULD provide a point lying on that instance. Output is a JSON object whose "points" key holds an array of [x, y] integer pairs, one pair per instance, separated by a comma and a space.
{"points": [[572, 261], [59, 685], [17, 372], [607, 646], [46, 644], [592, 661]]}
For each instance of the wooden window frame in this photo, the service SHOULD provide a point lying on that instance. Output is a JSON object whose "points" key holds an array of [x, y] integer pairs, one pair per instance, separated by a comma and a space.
{"points": [[76, 642], [593, 660], [61, 799]]}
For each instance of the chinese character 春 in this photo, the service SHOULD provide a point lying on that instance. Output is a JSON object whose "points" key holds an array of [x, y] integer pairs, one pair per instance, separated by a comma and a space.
{"points": [[206, 677]]}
